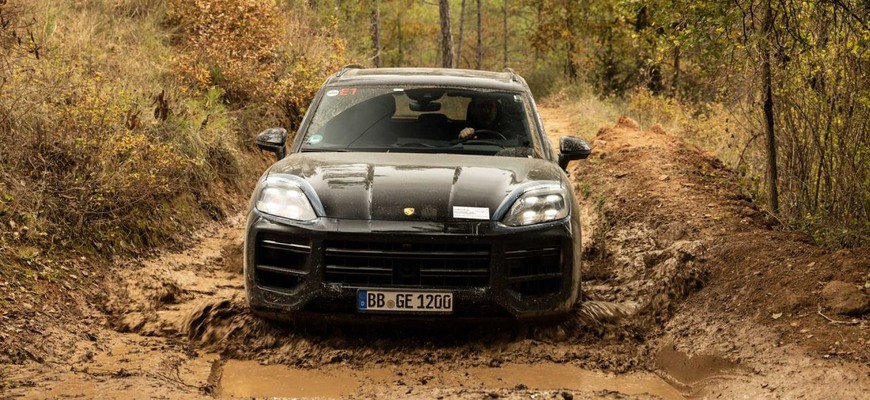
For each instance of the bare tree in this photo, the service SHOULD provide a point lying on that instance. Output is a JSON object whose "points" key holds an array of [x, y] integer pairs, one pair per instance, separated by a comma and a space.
{"points": [[766, 32], [461, 31], [376, 35], [400, 53], [570, 67], [479, 38], [446, 34], [675, 78], [505, 24]]}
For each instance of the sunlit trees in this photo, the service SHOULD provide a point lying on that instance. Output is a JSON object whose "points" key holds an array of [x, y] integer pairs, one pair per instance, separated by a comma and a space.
{"points": [[794, 73]]}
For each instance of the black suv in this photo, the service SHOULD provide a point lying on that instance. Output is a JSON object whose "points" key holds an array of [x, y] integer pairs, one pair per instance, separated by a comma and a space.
{"points": [[430, 192]]}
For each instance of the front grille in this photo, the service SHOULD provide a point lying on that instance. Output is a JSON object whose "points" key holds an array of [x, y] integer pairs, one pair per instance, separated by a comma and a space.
{"points": [[535, 271], [281, 260], [386, 264]]}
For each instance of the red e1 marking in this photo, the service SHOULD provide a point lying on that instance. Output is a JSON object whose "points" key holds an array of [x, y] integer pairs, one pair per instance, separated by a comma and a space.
{"points": [[347, 91]]}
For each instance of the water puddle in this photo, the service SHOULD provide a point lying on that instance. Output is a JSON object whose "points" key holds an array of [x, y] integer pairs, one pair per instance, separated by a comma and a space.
{"points": [[119, 366], [568, 377], [250, 379], [690, 371]]}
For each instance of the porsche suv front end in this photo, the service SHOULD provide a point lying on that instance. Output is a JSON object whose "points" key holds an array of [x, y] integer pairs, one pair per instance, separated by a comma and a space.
{"points": [[379, 211]]}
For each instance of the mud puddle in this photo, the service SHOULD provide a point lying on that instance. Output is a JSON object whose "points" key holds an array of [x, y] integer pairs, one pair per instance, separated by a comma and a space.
{"points": [[693, 371], [116, 366], [250, 379]]}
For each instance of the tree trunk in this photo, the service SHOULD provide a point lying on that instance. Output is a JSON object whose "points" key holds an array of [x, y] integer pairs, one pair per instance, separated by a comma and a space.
{"points": [[505, 24], [461, 32], [767, 83], [401, 51], [570, 68], [538, 19], [376, 35], [675, 79], [643, 73], [446, 34], [479, 37]]}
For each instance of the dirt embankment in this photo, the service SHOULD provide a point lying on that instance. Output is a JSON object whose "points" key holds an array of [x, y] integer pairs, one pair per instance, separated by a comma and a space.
{"points": [[687, 282], [714, 274]]}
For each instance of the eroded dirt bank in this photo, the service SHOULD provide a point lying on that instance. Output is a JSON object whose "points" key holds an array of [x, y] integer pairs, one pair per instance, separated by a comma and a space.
{"points": [[689, 293]]}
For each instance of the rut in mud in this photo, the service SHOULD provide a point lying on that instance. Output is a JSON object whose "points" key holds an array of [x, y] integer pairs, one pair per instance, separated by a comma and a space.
{"points": [[677, 282]]}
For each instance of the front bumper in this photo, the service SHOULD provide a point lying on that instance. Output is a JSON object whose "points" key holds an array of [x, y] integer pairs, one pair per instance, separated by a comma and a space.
{"points": [[493, 271]]}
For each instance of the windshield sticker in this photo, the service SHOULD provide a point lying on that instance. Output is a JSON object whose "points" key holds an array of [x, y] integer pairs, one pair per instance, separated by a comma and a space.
{"points": [[471, 212], [347, 92], [315, 139], [332, 92]]}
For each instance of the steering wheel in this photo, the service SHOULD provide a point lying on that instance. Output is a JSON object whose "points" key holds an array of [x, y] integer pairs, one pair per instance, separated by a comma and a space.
{"points": [[488, 132]]}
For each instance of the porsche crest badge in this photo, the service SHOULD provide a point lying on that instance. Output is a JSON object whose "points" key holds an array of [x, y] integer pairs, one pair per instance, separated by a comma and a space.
{"points": [[409, 211]]}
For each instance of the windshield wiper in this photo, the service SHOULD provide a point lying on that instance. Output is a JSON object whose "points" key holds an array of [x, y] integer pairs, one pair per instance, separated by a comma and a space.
{"points": [[324, 149], [414, 144]]}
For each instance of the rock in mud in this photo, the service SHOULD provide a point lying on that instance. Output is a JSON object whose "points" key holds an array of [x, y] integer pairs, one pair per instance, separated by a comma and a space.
{"points": [[844, 298]]}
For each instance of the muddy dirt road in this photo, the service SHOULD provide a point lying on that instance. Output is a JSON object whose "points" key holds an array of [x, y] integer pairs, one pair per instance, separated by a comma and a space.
{"points": [[689, 294]]}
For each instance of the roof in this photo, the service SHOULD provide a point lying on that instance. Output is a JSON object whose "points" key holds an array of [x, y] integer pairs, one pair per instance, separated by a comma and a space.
{"points": [[428, 76]]}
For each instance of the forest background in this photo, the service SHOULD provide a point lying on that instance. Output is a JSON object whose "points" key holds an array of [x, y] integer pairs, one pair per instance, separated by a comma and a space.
{"points": [[125, 124]]}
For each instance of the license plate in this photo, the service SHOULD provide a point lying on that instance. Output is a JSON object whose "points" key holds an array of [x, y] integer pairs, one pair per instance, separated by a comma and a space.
{"points": [[409, 301]]}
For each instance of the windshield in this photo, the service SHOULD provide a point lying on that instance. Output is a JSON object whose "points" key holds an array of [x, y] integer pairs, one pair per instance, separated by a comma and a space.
{"points": [[420, 119]]}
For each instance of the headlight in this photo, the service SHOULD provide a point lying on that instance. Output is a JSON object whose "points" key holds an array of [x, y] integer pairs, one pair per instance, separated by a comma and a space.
{"points": [[536, 206], [284, 198]]}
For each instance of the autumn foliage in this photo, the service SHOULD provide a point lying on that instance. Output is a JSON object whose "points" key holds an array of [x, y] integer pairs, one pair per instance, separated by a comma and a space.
{"points": [[125, 123], [255, 52], [233, 44]]}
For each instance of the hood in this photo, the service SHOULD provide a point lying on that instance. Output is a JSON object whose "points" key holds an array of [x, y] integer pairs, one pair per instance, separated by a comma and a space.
{"points": [[385, 186]]}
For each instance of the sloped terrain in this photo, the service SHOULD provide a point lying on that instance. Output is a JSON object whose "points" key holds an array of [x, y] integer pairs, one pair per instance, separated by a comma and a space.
{"points": [[690, 290], [737, 286]]}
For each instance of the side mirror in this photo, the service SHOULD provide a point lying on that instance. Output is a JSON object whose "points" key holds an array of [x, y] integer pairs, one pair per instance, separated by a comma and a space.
{"points": [[273, 140], [572, 148]]}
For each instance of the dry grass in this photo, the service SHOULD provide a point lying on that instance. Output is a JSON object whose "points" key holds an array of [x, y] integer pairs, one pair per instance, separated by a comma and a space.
{"points": [[731, 133], [106, 143]]}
